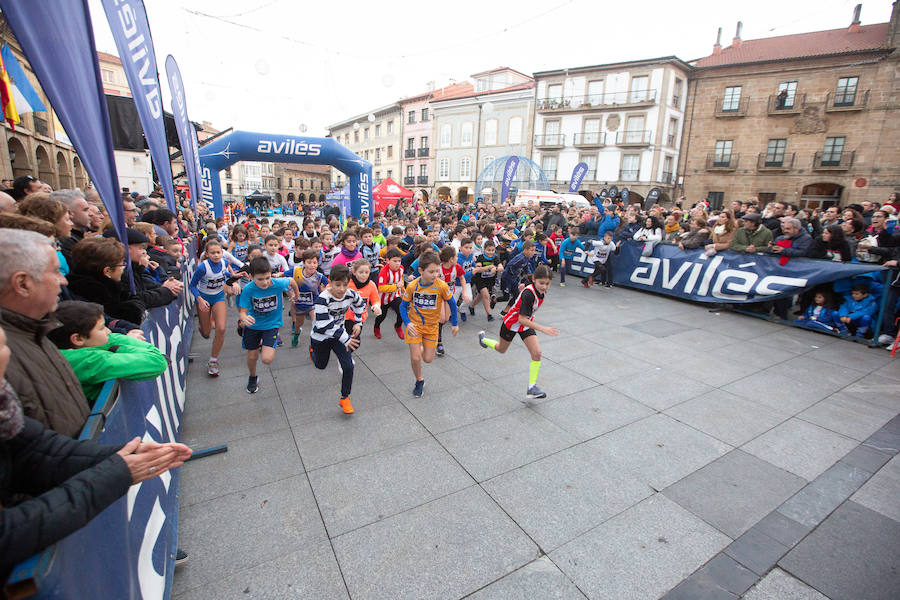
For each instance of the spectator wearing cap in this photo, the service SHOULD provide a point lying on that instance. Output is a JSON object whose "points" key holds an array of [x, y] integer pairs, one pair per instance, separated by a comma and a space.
{"points": [[751, 237], [150, 292]]}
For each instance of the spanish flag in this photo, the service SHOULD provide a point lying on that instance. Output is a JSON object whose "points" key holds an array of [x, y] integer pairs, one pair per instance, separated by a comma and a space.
{"points": [[6, 98]]}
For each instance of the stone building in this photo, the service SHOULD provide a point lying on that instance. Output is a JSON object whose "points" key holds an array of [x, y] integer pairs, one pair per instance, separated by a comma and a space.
{"points": [[810, 118], [623, 120], [301, 183], [374, 136]]}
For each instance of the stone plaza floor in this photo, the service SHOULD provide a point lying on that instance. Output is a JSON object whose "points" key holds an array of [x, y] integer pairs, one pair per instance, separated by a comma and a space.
{"points": [[680, 453]]}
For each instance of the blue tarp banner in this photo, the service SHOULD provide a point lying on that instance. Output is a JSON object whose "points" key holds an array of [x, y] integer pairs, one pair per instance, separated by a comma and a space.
{"points": [[728, 276], [131, 31], [187, 136]]}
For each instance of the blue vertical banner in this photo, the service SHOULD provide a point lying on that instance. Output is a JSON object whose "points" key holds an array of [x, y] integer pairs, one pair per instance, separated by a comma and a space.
{"points": [[183, 126], [509, 174], [58, 41], [131, 31], [577, 177]]}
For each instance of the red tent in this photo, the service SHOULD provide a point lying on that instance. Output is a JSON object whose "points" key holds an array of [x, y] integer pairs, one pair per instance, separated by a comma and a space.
{"points": [[386, 194]]}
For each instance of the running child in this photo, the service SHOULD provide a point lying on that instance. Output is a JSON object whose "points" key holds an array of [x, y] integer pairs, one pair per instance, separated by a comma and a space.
{"points": [[421, 310], [310, 283], [208, 287], [239, 243], [328, 252], [277, 264], [349, 251], [390, 286], [329, 332], [601, 255], [260, 309], [520, 320], [484, 277], [362, 284], [466, 259], [516, 275], [567, 251], [370, 250], [455, 277]]}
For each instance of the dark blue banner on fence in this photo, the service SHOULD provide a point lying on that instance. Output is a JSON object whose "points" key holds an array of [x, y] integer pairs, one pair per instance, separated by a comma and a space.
{"points": [[726, 277]]}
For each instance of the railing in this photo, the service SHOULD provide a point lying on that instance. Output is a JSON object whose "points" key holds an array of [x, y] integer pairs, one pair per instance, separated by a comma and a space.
{"points": [[377, 161], [409, 181], [409, 153], [722, 162], [832, 161], [675, 99], [738, 109], [670, 139], [424, 151], [422, 180], [40, 125], [591, 138], [846, 101], [551, 175], [634, 138], [770, 162], [786, 105], [590, 175], [668, 177], [629, 175], [597, 101], [550, 140]]}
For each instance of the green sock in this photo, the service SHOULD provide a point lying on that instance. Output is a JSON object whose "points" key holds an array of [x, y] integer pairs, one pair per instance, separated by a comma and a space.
{"points": [[490, 343], [533, 372]]}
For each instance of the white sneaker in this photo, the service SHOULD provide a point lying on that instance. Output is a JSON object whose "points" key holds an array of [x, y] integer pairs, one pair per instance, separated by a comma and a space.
{"points": [[885, 339]]}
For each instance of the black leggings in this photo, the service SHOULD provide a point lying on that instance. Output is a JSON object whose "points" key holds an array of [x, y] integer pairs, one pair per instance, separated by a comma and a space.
{"points": [[321, 352], [605, 270], [394, 304]]}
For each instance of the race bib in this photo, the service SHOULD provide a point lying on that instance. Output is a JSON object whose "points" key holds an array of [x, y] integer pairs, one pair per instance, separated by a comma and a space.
{"points": [[305, 298], [424, 301], [265, 304]]}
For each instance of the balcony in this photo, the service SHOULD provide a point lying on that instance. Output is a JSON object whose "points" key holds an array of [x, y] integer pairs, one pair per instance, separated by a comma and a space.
{"points": [[722, 162], [591, 139], [789, 105], [846, 101], [409, 181], [551, 175], [634, 138], [377, 162], [597, 101], [776, 162], [833, 161], [550, 140], [409, 153], [732, 109], [629, 175], [422, 180], [40, 125], [423, 152], [667, 178], [670, 140], [590, 175]]}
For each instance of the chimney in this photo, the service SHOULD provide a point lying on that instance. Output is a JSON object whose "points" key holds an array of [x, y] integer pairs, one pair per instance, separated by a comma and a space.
{"points": [[737, 36], [893, 36], [854, 25], [717, 47]]}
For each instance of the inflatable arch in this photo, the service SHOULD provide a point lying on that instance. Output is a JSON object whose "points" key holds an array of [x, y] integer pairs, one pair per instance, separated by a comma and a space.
{"points": [[247, 145]]}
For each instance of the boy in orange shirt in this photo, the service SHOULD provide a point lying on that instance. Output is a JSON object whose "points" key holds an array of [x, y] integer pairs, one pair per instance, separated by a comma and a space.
{"points": [[421, 308], [360, 270]]}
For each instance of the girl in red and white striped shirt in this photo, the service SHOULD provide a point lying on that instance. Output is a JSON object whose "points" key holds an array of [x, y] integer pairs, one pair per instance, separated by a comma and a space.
{"points": [[390, 285]]}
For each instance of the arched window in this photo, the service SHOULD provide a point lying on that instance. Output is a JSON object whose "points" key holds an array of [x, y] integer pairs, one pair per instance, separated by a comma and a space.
{"points": [[490, 132], [466, 134], [465, 168], [444, 168], [445, 136], [515, 130], [487, 161]]}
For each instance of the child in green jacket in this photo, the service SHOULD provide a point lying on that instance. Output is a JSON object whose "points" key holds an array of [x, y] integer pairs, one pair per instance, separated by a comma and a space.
{"points": [[96, 355]]}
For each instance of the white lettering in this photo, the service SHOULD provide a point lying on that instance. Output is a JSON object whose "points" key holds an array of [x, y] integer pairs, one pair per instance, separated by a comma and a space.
{"points": [[708, 275], [290, 147], [668, 282], [765, 286], [646, 275], [734, 290]]}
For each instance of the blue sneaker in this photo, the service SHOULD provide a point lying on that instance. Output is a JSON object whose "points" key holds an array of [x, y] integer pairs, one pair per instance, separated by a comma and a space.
{"points": [[419, 389], [462, 315], [535, 393]]}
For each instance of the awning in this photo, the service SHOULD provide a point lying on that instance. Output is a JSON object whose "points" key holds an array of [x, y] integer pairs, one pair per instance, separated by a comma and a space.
{"points": [[387, 193]]}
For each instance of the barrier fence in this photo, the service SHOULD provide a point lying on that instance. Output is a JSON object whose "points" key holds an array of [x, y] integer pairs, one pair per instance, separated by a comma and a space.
{"points": [[128, 550]]}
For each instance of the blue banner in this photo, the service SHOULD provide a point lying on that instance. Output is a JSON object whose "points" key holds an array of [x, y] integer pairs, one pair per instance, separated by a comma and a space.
{"points": [[730, 277], [59, 43], [509, 173], [131, 31], [578, 174], [186, 137]]}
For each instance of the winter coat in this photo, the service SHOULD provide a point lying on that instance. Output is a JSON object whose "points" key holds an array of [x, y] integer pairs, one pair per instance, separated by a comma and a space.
{"points": [[800, 244], [610, 222], [118, 302], [695, 239], [122, 357], [759, 238], [859, 308], [150, 292]]}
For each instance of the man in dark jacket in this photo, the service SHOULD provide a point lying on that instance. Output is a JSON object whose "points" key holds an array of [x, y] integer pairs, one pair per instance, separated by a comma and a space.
{"points": [[795, 241], [79, 212]]}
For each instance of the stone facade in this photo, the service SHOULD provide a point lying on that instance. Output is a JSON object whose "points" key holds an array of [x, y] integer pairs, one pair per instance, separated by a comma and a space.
{"points": [[302, 183], [378, 141]]}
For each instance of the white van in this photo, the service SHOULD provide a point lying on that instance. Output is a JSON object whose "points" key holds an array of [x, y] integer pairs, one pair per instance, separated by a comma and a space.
{"points": [[545, 198]]}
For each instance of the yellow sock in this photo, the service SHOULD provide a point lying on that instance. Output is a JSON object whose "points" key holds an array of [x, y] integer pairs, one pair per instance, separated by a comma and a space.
{"points": [[533, 372], [490, 343]]}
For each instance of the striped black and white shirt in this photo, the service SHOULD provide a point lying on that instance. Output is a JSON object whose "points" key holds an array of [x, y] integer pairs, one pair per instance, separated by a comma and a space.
{"points": [[330, 313]]}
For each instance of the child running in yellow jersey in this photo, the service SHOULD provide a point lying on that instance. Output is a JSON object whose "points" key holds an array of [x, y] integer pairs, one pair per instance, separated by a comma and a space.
{"points": [[424, 300]]}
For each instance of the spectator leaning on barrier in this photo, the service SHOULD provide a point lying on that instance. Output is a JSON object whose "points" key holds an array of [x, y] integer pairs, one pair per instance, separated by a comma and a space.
{"points": [[30, 284], [752, 237], [151, 293], [96, 277]]}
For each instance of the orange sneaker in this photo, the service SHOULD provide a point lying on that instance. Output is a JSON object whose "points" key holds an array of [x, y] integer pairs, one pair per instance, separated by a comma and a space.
{"points": [[346, 406]]}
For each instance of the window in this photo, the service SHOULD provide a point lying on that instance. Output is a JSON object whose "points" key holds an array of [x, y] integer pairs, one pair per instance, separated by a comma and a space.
{"points": [[634, 130], [290, 182], [424, 114], [595, 92], [377, 154], [846, 91], [591, 161], [465, 167], [672, 136], [377, 175], [466, 134], [775, 153], [409, 170], [667, 170], [834, 148], [423, 170], [631, 167], [487, 160], [423, 141], [390, 151], [515, 130], [554, 92], [228, 189], [490, 132], [715, 199], [390, 173], [551, 128], [731, 102], [366, 133], [786, 92], [410, 143], [108, 76], [722, 154], [676, 92], [548, 165], [411, 116], [445, 136], [300, 183], [356, 136], [639, 89], [390, 127], [444, 168], [228, 173], [378, 130]]}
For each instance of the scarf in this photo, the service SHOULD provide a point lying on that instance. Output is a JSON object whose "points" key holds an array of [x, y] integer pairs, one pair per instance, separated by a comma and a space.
{"points": [[672, 228], [347, 253], [11, 418], [359, 284]]}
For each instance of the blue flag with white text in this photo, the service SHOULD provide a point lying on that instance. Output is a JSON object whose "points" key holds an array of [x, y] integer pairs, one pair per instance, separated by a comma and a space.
{"points": [[183, 126]]}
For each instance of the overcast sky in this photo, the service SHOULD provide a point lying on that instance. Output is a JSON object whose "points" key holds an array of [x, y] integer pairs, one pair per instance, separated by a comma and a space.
{"points": [[280, 66]]}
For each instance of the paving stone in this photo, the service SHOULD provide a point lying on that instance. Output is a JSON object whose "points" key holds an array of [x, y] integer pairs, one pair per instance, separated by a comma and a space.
{"points": [[560, 350], [659, 450], [213, 393], [607, 366], [754, 353], [800, 447], [619, 336], [853, 554], [858, 356], [312, 572], [778, 585], [695, 588], [889, 370], [241, 530], [882, 492], [556, 380], [792, 338], [816, 501], [782, 529], [730, 418], [341, 437], [219, 425], [660, 388], [497, 445], [565, 494], [660, 327], [737, 325], [640, 553], [355, 493], [437, 378], [593, 412], [702, 340], [734, 492], [756, 551], [848, 415], [249, 462], [809, 373], [726, 573], [444, 549], [310, 405], [461, 406], [878, 390], [717, 371], [886, 439], [538, 579], [779, 391], [866, 458]]}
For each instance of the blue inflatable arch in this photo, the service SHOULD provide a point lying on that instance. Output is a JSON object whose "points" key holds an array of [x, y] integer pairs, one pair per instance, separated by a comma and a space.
{"points": [[262, 147]]}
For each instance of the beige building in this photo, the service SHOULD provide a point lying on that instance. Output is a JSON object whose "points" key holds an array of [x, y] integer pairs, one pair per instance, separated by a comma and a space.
{"points": [[376, 137], [301, 183], [810, 118]]}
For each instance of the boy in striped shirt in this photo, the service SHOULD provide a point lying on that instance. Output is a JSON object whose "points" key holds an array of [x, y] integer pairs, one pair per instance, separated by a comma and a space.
{"points": [[390, 285]]}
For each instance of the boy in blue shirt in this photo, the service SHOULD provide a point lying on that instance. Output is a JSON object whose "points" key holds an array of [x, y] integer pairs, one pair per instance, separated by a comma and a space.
{"points": [[466, 259], [516, 274], [261, 314], [567, 253], [858, 311]]}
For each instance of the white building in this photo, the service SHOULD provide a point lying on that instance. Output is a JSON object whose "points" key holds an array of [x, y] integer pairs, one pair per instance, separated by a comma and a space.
{"points": [[624, 120], [374, 136]]}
